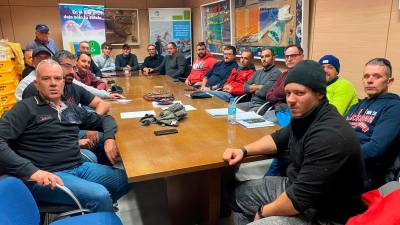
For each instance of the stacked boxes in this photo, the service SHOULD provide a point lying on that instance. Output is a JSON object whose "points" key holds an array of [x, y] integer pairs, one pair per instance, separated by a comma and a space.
{"points": [[8, 83]]}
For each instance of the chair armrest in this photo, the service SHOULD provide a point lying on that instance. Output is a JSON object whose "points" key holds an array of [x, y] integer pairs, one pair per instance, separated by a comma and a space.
{"points": [[264, 108], [239, 98]]}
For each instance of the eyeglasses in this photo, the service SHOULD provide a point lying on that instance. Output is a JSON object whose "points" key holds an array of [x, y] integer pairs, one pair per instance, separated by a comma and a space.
{"points": [[292, 56], [108, 48], [69, 66]]}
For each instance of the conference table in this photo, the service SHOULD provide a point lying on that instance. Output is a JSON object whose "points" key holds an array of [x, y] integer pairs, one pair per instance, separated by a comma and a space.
{"points": [[190, 161]]}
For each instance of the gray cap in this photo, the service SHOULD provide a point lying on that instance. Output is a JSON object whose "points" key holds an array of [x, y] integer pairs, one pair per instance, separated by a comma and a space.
{"points": [[40, 49]]}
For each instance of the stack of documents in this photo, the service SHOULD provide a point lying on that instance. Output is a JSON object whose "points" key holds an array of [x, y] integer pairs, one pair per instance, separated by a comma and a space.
{"points": [[252, 120]]}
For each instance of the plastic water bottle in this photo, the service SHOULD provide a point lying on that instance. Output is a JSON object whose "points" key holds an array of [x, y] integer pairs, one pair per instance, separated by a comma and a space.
{"points": [[232, 111]]}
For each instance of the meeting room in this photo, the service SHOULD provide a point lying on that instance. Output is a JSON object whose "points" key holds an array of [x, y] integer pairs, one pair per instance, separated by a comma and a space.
{"points": [[199, 112]]}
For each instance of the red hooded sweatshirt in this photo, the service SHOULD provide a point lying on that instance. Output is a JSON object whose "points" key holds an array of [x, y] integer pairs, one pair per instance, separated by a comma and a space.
{"points": [[238, 77], [200, 67]]}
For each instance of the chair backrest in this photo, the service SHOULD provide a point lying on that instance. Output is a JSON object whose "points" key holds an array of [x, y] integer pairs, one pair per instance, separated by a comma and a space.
{"points": [[17, 206]]}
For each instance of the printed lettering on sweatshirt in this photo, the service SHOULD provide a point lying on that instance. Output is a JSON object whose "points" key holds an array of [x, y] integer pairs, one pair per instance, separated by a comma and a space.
{"points": [[362, 119]]}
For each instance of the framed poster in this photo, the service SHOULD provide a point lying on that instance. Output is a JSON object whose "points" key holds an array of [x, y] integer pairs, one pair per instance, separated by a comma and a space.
{"points": [[216, 23], [82, 23], [122, 26], [171, 24], [271, 23]]}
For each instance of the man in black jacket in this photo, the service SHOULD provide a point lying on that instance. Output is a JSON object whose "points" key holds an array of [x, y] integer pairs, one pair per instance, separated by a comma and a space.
{"points": [[325, 175], [39, 141]]}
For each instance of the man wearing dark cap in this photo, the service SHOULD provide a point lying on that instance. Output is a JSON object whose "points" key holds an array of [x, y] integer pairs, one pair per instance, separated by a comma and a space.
{"points": [[340, 92], [39, 54], [126, 60], [324, 179], [42, 39]]}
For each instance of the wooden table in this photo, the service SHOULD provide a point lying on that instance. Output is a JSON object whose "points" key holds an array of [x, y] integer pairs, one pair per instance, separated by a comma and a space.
{"points": [[190, 160]]}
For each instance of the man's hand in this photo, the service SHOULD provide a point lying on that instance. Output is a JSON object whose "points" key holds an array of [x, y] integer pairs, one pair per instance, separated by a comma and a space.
{"points": [[198, 83], [204, 88], [115, 96], [93, 136], [86, 143], [255, 87], [187, 81], [111, 149], [227, 88], [44, 178], [232, 155]]}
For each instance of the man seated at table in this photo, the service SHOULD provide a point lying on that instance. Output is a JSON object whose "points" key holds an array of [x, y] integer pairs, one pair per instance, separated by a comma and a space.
{"points": [[234, 85], [376, 121], [75, 94], [173, 64], [340, 92], [204, 62], [84, 73], [38, 141], [261, 81], [27, 62], [84, 47], [218, 75], [105, 61], [153, 60], [126, 60], [324, 180], [42, 39], [38, 54]]}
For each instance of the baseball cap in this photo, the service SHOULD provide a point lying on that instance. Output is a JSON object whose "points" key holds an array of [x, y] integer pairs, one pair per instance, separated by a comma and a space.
{"points": [[42, 27], [40, 49]]}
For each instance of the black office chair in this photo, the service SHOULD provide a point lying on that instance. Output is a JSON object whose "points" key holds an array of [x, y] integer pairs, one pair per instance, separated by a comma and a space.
{"points": [[243, 98]]}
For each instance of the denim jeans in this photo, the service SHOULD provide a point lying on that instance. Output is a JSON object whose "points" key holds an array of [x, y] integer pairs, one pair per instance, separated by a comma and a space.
{"points": [[96, 186], [221, 94]]}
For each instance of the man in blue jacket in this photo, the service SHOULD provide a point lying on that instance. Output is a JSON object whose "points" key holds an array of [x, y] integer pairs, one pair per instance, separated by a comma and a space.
{"points": [[218, 75], [376, 121]]}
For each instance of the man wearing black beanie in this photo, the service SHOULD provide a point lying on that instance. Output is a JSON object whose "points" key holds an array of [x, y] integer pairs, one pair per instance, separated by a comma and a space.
{"points": [[324, 179]]}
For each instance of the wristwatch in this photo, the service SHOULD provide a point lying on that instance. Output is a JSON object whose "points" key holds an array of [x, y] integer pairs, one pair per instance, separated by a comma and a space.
{"points": [[260, 211], [244, 150]]}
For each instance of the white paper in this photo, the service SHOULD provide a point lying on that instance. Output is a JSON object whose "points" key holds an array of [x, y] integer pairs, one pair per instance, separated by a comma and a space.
{"points": [[123, 100], [221, 111], [138, 114], [247, 115], [156, 105], [266, 123]]}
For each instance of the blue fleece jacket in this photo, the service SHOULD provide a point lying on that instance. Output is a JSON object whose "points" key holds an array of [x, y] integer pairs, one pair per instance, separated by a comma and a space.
{"points": [[376, 122], [219, 74]]}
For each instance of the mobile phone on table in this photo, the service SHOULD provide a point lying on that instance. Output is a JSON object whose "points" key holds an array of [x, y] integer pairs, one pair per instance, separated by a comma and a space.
{"points": [[165, 132]]}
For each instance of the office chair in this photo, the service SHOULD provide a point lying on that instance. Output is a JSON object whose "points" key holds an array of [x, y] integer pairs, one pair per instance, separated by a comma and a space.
{"points": [[17, 207]]}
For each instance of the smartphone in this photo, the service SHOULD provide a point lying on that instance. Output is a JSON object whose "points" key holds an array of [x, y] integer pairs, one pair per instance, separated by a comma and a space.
{"points": [[165, 132]]}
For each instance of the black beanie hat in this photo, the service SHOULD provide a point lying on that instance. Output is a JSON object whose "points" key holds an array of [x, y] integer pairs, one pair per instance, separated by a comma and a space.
{"points": [[308, 73]]}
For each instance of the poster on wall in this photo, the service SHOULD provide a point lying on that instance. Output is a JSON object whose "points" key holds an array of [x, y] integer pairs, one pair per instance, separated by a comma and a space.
{"points": [[171, 24], [216, 25], [122, 26], [82, 23], [272, 23]]}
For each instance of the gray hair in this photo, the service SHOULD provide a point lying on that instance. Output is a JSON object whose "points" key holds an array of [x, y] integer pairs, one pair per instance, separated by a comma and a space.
{"points": [[381, 62], [46, 62], [63, 54]]}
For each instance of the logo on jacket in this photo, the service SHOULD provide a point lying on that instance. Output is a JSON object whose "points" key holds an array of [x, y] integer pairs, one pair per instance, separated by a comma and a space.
{"points": [[361, 120], [42, 118], [198, 66]]}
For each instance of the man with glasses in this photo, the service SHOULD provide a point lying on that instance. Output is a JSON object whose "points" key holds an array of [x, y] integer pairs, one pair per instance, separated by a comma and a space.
{"points": [[84, 47], [42, 39], [126, 60], [105, 61], [218, 75], [173, 64], [39, 54], [276, 94], [376, 121], [261, 81], [204, 62], [153, 60]]}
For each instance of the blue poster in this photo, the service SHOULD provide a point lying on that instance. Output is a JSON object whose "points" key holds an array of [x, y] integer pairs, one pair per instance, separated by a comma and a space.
{"points": [[82, 23]]}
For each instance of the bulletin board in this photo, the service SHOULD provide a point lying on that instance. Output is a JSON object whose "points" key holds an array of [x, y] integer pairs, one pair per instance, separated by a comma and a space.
{"points": [[270, 23], [122, 26], [216, 25]]}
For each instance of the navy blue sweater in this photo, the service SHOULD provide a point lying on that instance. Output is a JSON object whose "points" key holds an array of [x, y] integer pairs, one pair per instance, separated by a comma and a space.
{"points": [[219, 74], [376, 122]]}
